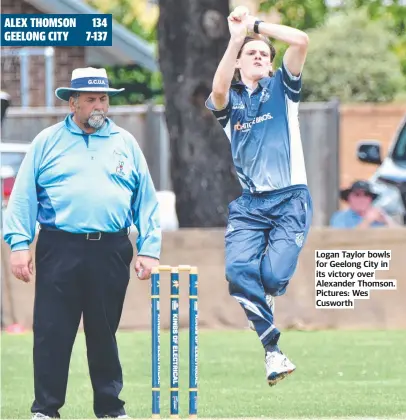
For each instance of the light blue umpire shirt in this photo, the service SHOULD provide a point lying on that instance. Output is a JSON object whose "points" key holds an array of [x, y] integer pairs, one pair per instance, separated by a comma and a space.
{"points": [[84, 183], [263, 129]]}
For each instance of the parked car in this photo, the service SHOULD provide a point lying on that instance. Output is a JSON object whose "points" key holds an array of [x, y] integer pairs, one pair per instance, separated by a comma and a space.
{"points": [[389, 180], [5, 101]]}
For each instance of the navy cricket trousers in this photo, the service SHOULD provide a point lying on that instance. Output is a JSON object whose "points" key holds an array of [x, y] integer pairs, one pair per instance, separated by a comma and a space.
{"points": [[76, 277], [263, 240]]}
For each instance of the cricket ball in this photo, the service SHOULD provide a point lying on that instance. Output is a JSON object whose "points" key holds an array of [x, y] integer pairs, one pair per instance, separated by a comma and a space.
{"points": [[241, 11]]}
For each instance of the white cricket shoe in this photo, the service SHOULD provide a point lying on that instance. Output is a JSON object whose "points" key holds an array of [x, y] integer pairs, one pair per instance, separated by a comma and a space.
{"points": [[39, 416], [277, 366], [270, 300]]}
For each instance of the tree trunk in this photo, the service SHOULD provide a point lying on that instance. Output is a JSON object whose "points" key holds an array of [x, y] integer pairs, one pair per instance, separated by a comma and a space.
{"points": [[193, 35]]}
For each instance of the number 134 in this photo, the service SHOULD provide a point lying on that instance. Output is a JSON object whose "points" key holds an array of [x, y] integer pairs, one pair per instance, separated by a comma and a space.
{"points": [[98, 22]]}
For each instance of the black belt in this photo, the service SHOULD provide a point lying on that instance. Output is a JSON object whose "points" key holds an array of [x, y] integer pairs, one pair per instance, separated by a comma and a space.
{"points": [[91, 236]]}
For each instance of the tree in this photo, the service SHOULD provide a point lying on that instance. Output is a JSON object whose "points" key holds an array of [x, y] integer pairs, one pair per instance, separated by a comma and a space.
{"points": [[301, 15], [141, 85], [310, 14], [349, 58], [140, 17], [193, 36], [393, 14], [393, 11]]}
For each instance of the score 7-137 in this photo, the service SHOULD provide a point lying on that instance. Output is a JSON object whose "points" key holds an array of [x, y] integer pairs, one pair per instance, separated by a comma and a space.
{"points": [[96, 36]]}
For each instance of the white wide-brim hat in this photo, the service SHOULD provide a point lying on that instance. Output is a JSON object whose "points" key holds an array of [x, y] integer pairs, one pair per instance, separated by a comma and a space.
{"points": [[87, 80]]}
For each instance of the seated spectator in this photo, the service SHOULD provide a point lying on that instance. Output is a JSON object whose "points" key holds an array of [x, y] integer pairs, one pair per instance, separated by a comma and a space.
{"points": [[361, 212]]}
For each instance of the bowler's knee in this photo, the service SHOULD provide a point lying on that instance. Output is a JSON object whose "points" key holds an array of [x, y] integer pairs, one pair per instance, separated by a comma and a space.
{"points": [[276, 279], [232, 271], [236, 271]]}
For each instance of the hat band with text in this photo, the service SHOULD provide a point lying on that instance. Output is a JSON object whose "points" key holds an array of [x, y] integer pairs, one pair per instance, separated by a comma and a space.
{"points": [[85, 82]]}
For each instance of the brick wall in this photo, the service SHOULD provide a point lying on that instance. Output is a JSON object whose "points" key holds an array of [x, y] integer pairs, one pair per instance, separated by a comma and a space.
{"points": [[65, 60], [363, 122]]}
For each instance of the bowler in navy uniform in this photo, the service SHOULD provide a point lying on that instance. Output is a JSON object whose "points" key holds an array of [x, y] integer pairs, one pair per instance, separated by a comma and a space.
{"points": [[268, 225]]}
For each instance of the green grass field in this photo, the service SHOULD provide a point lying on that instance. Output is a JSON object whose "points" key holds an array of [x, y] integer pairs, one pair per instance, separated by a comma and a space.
{"points": [[340, 374]]}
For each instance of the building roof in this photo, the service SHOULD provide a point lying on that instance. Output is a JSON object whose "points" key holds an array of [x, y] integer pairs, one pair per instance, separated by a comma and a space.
{"points": [[127, 47]]}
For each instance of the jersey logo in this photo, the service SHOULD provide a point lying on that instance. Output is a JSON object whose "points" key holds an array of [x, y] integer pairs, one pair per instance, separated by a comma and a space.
{"points": [[299, 239], [244, 127], [120, 168], [238, 126], [265, 95], [230, 228], [120, 162]]}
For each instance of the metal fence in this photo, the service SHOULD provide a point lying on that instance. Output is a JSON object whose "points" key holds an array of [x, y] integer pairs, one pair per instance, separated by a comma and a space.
{"points": [[319, 125]]}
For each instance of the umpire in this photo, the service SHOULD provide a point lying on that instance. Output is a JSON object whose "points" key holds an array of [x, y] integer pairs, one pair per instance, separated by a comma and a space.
{"points": [[85, 181]]}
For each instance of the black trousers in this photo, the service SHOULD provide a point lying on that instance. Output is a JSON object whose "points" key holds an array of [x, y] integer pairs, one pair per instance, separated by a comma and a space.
{"points": [[75, 277]]}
